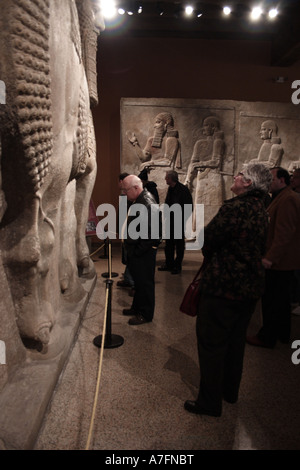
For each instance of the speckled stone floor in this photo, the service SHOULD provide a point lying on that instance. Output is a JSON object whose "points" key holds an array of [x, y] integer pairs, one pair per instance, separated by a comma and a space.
{"points": [[144, 382]]}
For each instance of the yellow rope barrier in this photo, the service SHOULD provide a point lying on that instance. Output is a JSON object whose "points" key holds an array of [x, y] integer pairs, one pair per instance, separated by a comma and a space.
{"points": [[99, 374], [98, 249]]}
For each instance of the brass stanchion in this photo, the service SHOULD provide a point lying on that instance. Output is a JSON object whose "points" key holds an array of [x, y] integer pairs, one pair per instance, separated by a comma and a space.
{"points": [[110, 340], [109, 274]]}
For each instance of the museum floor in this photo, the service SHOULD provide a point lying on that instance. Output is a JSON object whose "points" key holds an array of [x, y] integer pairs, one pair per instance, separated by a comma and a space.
{"points": [[144, 382]]}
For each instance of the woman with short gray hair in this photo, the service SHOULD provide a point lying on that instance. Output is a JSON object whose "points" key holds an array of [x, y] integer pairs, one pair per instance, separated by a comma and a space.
{"points": [[232, 281], [259, 175]]}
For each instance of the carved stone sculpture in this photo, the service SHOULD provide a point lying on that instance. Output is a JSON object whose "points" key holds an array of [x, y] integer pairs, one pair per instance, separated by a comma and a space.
{"points": [[48, 51], [3, 204], [163, 148], [271, 151], [206, 165]]}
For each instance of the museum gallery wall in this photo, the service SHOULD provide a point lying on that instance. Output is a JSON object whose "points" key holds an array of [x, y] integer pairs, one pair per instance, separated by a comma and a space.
{"points": [[206, 142]]}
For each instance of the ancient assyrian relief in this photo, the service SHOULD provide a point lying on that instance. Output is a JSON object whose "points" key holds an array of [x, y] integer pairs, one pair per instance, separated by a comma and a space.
{"points": [[48, 161]]}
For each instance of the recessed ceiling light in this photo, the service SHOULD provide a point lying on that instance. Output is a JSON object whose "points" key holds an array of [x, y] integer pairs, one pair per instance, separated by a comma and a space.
{"points": [[189, 10], [273, 13], [226, 10], [256, 13], [108, 8]]}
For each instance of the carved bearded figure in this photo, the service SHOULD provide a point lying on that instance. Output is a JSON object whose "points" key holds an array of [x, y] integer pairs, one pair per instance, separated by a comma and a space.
{"points": [[163, 148]]}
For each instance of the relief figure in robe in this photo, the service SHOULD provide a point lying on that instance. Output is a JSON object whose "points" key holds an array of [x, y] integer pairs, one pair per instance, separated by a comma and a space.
{"points": [[205, 166], [271, 151]]}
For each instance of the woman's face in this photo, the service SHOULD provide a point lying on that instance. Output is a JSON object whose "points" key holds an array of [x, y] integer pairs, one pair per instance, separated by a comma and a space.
{"points": [[240, 185]]}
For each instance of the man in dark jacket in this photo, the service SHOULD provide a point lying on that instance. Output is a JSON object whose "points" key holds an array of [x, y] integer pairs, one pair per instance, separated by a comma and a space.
{"points": [[282, 257], [141, 239], [177, 193]]}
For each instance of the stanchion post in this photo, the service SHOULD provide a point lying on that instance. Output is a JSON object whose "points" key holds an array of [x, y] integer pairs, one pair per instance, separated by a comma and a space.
{"points": [[109, 274], [110, 340]]}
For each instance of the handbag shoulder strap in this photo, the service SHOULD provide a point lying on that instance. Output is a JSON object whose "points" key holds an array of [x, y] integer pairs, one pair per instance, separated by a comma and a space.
{"points": [[199, 271]]}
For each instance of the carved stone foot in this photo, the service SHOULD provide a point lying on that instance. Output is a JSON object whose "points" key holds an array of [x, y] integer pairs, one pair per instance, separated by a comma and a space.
{"points": [[43, 333], [86, 267]]}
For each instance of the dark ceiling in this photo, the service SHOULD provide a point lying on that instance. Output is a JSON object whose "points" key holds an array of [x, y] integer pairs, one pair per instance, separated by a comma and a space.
{"points": [[166, 19]]}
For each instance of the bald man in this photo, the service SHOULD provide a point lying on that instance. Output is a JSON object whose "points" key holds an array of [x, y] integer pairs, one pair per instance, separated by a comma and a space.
{"points": [[140, 249]]}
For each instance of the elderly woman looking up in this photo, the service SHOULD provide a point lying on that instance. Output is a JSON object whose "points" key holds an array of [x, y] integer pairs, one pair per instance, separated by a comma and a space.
{"points": [[231, 283]]}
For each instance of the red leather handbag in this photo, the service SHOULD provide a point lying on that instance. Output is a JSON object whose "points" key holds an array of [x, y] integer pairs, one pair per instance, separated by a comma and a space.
{"points": [[189, 304]]}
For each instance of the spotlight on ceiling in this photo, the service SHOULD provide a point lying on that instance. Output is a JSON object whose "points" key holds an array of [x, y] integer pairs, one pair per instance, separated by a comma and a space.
{"points": [[189, 10], [256, 13], [121, 11], [108, 8], [226, 10], [273, 13], [131, 8]]}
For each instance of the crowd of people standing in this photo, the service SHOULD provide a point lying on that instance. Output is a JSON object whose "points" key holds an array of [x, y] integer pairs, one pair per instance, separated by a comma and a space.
{"points": [[251, 253]]}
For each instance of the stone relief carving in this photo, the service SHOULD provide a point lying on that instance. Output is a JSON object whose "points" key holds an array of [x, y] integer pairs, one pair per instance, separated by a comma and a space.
{"points": [[271, 151], [48, 51], [206, 164], [2, 195], [163, 148], [229, 138], [202, 163], [14, 351], [274, 150]]}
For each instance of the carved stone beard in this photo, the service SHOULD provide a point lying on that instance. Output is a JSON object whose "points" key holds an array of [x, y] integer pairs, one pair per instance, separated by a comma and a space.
{"points": [[158, 137]]}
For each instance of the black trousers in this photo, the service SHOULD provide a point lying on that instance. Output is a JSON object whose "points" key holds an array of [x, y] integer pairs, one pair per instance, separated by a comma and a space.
{"points": [[276, 307], [221, 333], [174, 247], [142, 270]]}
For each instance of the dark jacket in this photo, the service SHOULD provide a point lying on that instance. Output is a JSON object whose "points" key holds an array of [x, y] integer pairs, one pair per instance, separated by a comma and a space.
{"points": [[234, 245], [179, 194], [284, 232], [152, 188], [137, 247]]}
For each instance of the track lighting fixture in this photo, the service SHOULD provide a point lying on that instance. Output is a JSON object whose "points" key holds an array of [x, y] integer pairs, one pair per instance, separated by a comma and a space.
{"points": [[182, 9]]}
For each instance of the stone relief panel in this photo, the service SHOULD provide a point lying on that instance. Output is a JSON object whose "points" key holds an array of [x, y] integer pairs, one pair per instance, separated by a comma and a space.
{"points": [[48, 160], [274, 140], [196, 141], [206, 142]]}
